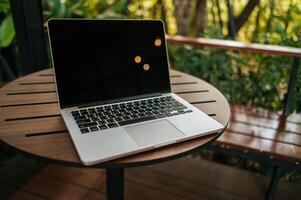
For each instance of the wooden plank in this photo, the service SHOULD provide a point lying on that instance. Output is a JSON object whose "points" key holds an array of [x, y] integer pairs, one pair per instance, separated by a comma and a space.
{"points": [[23, 112], [185, 188], [35, 78], [218, 178], [51, 188], [182, 79], [54, 146], [266, 122], [275, 150], [32, 127], [235, 46], [188, 88], [198, 97], [11, 88], [265, 113], [265, 133], [10, 100]]}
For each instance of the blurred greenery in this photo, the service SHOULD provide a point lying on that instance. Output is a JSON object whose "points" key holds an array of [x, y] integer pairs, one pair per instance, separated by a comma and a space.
{"points": [[260, 79]]}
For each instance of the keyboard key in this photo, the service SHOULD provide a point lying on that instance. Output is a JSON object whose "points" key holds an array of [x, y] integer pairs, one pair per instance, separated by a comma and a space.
{"points": [[112, 125], [126, 117], [161, 115], [80, 118], [134, 116], [87, 125], [93, 128], [156, 112], [180, 107], [83, 112], [134, 112], [119, 115], [103, 118], [75, 113], [111, 116], [99, 114], [99, 109], [131, 121], [84, 130], [102, 127], [141, 115], [149, 113], [94, 119], [115, 106], [107, 108], [101, 122], [188, 111], [118, 119], [90, 116], [92, 110], [83, 121], [110, 120]]}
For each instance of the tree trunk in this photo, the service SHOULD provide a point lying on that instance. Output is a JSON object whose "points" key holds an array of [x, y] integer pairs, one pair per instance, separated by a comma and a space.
{"points": [[182, 15], [163, 13], [242, 18], [268, 27], [256, 30], [220, 20], [231, 25], [125, 8], [288, 16], [213, 13], [199, 18]]}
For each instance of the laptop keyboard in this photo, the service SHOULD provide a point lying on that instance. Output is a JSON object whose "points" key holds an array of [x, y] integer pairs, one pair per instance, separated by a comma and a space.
{"points": [[110, 116]]}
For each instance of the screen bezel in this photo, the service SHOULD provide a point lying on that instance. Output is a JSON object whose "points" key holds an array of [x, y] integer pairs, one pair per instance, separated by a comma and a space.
{"points": [[54, 20]]}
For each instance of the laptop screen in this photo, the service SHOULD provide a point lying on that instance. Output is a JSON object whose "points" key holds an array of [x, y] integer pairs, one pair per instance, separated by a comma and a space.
{"points": [[103, 60]]}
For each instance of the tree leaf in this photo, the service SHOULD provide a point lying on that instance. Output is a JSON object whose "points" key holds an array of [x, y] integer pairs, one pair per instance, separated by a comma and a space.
{"points": [[7, 31], [4, 6]]}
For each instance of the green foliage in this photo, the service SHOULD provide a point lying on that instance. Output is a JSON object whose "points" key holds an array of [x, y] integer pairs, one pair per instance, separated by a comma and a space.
{"points": [[7, 30], [4, 5], [250, 79], [100, 9]]}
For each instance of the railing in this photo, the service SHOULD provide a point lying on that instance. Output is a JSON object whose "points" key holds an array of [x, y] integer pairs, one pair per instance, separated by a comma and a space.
{"points": [[295, 53]]}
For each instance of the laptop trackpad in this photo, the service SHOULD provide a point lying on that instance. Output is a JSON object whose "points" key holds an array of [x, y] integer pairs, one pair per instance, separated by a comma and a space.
{"points": [[154, 133]]}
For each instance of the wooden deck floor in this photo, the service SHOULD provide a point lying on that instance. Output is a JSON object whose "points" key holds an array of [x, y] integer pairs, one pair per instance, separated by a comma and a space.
{"points": [[185, 178]]}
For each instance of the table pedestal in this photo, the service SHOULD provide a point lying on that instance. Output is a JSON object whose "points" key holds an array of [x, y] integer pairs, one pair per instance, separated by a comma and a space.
{"points": [[115, 182]]}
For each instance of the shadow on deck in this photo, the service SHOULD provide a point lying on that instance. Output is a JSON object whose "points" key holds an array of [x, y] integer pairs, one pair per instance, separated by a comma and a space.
{"points": [[185, 178]]}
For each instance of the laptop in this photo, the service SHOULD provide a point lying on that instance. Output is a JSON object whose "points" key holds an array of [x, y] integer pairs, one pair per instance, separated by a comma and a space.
{"points": [[113, 88]]}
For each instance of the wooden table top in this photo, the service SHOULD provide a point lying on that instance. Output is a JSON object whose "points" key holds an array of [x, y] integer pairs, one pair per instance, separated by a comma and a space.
{"points": [[31, 123]]}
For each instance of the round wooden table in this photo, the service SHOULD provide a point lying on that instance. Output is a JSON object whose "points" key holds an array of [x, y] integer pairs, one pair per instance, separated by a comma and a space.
{"points": [[31, 123]]}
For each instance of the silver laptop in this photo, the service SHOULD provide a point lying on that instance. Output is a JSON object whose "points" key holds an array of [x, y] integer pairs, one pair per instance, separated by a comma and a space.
{"points": [[113, 87]]}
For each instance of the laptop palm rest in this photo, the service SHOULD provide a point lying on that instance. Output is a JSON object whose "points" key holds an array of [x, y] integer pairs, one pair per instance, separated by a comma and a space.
{"points": [[154, 133]]}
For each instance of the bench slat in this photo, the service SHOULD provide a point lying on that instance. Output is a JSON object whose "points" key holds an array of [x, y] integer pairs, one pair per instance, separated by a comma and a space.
{"points": [[272, 149]]}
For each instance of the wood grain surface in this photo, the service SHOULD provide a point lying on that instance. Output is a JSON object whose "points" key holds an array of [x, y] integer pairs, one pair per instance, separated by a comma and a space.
{"points": [[31, 123], [265, 133]]}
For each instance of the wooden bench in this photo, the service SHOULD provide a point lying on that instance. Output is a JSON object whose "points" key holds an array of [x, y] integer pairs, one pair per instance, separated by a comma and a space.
{"points": [[256, 133]]}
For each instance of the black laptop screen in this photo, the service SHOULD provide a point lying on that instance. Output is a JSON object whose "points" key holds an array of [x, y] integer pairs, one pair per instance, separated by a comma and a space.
{"points": [[101, 60]]}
